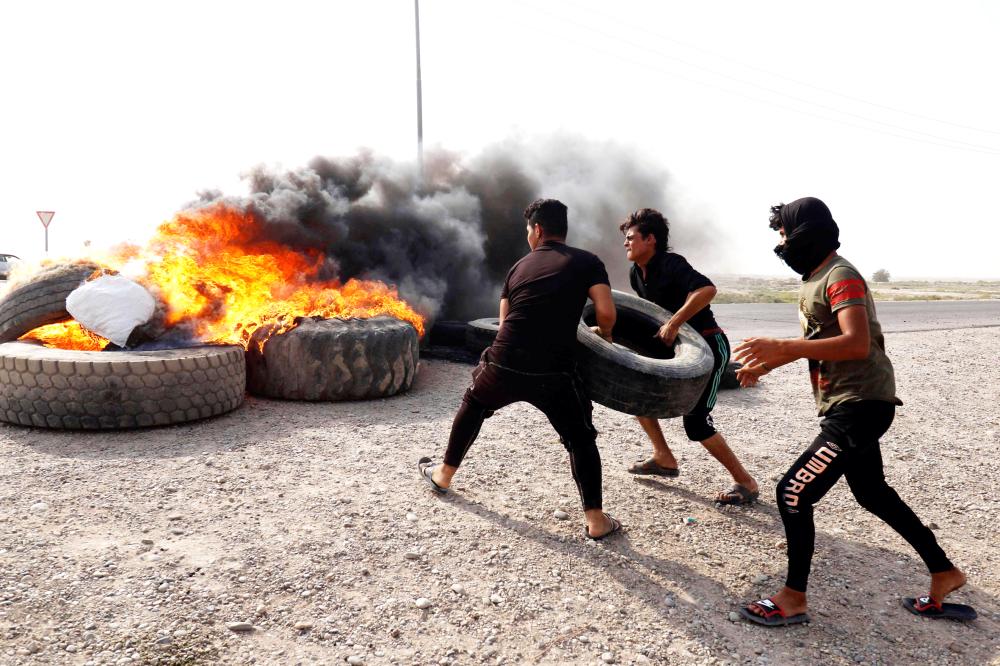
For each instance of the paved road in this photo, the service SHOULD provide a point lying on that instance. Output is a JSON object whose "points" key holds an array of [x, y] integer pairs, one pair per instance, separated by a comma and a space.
{"points": [[743, 320]]}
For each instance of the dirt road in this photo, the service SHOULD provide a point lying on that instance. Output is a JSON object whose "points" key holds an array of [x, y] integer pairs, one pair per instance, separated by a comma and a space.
{"points": [[306, 523]]}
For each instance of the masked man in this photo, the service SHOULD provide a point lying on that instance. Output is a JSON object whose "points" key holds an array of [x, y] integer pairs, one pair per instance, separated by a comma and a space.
{"points": [[855, 391]]}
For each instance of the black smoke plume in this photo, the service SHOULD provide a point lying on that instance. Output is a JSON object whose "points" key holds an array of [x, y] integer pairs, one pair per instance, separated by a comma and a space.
{"points": [[447, 242]]}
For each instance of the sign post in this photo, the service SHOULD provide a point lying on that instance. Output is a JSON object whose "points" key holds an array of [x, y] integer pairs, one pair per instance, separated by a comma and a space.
{"points": [[46, 217]]}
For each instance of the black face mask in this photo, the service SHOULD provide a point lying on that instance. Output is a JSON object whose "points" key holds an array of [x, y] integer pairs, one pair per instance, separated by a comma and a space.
{"points": [[810, 235]]}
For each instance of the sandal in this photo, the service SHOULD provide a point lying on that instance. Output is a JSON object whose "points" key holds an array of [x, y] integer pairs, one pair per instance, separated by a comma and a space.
{"points": [[738, 495], [616, 526], [426, 468], [927, 607], [772, 616], [652, 468]]}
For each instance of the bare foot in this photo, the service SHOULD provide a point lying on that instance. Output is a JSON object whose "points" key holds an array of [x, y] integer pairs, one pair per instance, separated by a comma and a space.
{"points": [[946, 582], [791, 602]]}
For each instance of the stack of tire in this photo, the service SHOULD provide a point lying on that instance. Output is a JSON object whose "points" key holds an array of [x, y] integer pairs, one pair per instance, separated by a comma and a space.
{"points": [[319, 359], [59, 388]]}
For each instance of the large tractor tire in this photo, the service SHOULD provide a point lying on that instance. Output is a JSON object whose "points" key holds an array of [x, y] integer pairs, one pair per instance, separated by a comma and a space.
{"points": [[638, 374], [59, 388], [41, 301], [334, 359]]}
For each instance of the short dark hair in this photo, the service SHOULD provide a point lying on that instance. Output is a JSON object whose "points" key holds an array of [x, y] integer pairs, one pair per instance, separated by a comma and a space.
{"points": [[775, 220], [549, 214], [649, 221]]}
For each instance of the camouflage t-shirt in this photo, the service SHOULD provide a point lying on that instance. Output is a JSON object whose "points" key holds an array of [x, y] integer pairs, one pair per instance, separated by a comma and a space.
{"points": [[834, 287]]}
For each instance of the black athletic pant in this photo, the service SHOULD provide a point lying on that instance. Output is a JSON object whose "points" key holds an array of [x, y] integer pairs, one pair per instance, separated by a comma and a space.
{"points": [[847, 446], [698, 423], [559, 395]]}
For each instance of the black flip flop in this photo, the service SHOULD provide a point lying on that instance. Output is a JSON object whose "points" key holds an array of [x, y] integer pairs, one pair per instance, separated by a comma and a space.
{"points": [[773, 615], [739, 495], [925, 607], [650, 467], [616, 527], [426, 468]]}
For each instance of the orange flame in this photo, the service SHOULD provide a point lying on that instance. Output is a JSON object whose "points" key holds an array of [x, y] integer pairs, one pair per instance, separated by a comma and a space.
{"points": [[68, 335], [217, 276]]}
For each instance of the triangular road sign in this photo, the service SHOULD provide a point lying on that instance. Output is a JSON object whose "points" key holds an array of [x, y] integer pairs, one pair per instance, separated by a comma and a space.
{"points": [[45, 216]]}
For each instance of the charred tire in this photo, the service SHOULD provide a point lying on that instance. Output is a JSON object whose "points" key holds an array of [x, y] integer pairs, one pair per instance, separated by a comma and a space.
{"points": [[481, 333], [448, 333], [59, 388], [633, 382], [334, 359], [41, 301], [729, 380]]}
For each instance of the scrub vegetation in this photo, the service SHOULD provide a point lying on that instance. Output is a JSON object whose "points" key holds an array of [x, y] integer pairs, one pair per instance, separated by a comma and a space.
{"points": [[735, 289]]}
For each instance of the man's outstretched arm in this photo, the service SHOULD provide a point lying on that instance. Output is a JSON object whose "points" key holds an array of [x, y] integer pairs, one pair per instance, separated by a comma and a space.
{"points": [[761, 355]]}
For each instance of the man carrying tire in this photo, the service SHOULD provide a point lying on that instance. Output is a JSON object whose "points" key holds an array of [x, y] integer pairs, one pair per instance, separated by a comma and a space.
{"points": [[855, 390], [667, 279], [532, 357]]}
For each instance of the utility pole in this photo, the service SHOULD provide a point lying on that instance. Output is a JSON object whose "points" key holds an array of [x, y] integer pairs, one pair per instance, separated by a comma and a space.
{"points": [[420, 109]]}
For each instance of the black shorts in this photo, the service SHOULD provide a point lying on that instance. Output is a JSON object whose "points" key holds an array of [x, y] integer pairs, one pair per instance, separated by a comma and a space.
{"points": [[698, 423]]}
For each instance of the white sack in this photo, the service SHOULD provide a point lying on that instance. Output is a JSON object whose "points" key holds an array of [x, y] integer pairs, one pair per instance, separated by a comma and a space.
{"points": [[111, 306]]}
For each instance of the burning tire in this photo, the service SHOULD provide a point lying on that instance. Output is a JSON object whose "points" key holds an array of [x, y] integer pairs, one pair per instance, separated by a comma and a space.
{"points": [[638, 374], [481, 333], [58, 388], [334, 359], [41, 301]]}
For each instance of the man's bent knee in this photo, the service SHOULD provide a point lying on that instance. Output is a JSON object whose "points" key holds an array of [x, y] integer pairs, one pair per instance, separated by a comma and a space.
{"points": [[699, 428], [872, 497], [792, 491], [579, 441]]}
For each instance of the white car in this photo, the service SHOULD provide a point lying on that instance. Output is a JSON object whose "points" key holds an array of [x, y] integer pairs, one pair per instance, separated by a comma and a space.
{"points": [[7, 262]]}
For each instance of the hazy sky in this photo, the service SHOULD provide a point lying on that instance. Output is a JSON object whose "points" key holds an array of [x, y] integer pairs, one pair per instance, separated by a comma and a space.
{"points": [[114, 114]]}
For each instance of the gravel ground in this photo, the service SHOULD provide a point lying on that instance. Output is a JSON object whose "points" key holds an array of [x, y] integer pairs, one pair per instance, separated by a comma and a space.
{"points": [[306, 524]]}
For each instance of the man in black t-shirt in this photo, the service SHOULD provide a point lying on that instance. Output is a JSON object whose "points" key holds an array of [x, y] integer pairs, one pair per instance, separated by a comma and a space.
{"points": [[667, 279], [531, 359]]}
